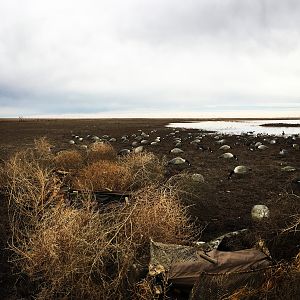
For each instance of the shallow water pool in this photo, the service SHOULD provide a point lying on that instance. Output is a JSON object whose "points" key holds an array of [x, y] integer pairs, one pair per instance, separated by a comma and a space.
{"points": [[242, 127]]}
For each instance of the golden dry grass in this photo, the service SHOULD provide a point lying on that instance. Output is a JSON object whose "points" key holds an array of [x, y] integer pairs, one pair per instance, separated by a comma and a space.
{"points": [[100, 151], [280, 282], [145, 168], [68, 250], [80, 252], [161, 216], [144, 290], [76, 252], [102, 175], [42, 148], [68, 160], [32, 190], [131, 172], [84, 253]]}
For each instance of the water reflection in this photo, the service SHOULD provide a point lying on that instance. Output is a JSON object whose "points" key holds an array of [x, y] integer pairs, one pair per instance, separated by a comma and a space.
{"points": [[242, 127]]}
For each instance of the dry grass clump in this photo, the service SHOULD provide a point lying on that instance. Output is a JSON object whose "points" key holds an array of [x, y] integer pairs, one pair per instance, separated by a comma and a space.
{"points": [[3, 178], [102, 175], [85, 253], [78, 251], [129, 173], [70, 254], [146, 169], [100, 151], [42, 148], [32, 190], [68, 160], [280, 282], [283, 280], [161, 216], [145, 290]]}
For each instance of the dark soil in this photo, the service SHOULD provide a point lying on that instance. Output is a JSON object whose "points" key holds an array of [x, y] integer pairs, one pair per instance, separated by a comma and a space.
{"points": [[222, 205]]}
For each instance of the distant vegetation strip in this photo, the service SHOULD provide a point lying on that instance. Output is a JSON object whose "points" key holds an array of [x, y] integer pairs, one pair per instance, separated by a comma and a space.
{"points": [[280, 125]]}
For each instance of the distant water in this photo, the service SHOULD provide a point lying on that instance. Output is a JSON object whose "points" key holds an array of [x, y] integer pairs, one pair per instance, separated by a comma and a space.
{"points": [[242, 127]]}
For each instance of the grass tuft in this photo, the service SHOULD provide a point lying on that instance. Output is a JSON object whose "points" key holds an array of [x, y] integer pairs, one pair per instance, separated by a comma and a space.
{"points": [[103, 175], [68, 160], [100, 151], [145, 169], [81, 251]]}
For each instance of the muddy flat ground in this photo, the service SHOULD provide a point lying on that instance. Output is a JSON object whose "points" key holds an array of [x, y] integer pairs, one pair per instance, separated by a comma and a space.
{"points": [[226, 201], [222, 205]]}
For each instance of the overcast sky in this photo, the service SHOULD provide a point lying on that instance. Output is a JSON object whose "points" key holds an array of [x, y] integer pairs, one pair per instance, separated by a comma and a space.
{"points": [[149, 57]]}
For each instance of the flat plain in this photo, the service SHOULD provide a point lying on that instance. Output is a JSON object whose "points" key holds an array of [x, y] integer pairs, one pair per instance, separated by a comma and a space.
{"points": [[222, 206]]}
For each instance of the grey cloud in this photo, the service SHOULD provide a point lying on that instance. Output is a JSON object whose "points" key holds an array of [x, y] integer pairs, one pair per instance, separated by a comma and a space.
{"points": [[235, 20], [120, 56]]}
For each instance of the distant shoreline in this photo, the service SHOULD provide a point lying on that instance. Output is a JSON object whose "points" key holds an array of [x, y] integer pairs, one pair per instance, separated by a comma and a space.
{"points": [[280, 125], [169, 119]]}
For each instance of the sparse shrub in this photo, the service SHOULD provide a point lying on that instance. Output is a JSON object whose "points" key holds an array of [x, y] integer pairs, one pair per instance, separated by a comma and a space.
{"points": [[82, 252], [3, 178], [279, 282], [145, 167], [43, 148], [102, 175], [144, 290], [159, 215], [67, 252], [100, 151], [68, 160], [32, 190], [85, 253]]}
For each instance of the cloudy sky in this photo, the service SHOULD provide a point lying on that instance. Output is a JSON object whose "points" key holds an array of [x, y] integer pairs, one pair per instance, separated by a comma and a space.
{"points": [[149, 58]]}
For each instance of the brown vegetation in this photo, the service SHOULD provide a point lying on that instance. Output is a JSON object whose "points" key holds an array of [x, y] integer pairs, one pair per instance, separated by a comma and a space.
{"points": [[218, 205], [68, 160], [83, 252], [100, 151], [145, 168], [103, 175]]}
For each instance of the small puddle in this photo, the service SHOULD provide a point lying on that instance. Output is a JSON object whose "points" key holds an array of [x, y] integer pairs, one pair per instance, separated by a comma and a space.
{"points": [[242, 127]]}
